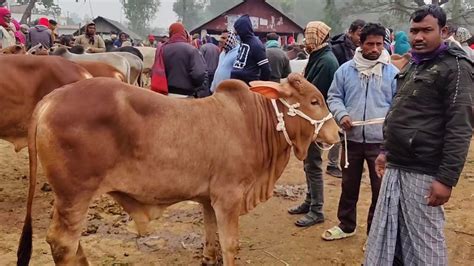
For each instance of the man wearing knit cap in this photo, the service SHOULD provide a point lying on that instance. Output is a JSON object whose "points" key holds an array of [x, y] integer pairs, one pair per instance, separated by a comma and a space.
{"points": [[462, 36], [7, 34], [92, 42], [322, 65], [40, 34]]}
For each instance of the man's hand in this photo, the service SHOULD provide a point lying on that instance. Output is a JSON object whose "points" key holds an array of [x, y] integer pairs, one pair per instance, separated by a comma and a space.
{"points": [[380, 164], [439, 194], [90, 50], [346, 123]]}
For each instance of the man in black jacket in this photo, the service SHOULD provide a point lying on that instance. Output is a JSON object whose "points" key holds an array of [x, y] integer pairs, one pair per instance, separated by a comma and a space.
{"points": [[344, 45], [184, 64], [427, 133], [252, 62]]}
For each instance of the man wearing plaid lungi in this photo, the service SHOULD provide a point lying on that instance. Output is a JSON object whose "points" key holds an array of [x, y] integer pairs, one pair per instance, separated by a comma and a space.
{"points": [[427, 133]]}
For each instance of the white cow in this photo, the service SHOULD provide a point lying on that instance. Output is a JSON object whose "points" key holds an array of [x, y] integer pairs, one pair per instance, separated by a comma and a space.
{"points": [[298, 66], [136, 66], [148, 61], [113, 59]]}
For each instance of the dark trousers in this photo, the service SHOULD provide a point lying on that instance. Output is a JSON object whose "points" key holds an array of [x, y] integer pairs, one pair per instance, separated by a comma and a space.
{"points": [[314, 179], [351, 178]]}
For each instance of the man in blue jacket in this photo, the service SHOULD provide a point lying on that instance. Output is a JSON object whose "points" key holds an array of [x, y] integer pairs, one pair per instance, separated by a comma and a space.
{"points": [[230, 49], [362, 90], [252, 62]]}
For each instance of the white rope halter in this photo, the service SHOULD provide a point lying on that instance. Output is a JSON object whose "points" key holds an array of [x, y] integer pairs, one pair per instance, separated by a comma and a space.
{"points": [[293, 111], [358, 124]]}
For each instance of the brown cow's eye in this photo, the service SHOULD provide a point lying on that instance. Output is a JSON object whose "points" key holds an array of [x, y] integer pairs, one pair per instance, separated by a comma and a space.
{"points": [[314, 102]]}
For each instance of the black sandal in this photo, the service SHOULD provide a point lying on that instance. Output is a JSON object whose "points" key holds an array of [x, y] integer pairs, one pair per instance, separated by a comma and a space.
{"points": [[309, 220], [303, 208]]}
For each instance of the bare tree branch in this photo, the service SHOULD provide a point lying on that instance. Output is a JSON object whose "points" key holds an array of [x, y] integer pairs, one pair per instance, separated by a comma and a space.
{"points": [[27, 14], [420, 2], [382, 8]]}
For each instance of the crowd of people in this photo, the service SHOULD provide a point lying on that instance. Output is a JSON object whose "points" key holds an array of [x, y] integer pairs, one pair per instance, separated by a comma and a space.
{"points": [[419, 150], [12, 33], [45, 31], [421, 147]]}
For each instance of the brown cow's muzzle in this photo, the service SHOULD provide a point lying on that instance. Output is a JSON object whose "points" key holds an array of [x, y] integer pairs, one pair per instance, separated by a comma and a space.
{"points": [[329, 133], [293, 111]]}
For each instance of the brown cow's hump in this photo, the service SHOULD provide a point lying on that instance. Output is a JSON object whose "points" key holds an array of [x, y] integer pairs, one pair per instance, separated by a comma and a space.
{"points": [[232, 85]]}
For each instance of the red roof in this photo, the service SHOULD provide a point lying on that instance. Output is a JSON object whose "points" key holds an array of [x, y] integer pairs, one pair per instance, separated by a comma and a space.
{"points": [[265, 18]]}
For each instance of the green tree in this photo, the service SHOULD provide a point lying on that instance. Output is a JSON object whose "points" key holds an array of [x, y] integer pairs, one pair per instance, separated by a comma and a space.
{"points": [[140, 13], [190, 12], [216, 7], [287, 7], [396, 13], [332, 17]]}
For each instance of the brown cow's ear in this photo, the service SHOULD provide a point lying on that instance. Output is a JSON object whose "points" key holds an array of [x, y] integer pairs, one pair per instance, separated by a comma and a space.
{"points": [[18, 48], [269, 89]]}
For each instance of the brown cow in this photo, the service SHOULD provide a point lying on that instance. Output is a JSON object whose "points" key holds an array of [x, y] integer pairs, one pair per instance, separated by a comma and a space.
{"points": [[149, 151], [24, 81], [401, 61], [95, 68], [14, 49], [99, 69]]}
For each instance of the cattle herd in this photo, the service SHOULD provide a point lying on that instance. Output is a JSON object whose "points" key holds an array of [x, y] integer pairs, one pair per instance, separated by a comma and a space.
{"points": [[95, 134]]}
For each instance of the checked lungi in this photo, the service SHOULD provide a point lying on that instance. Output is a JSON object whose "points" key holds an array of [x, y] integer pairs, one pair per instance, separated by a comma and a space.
{"points": [[405, 229]]}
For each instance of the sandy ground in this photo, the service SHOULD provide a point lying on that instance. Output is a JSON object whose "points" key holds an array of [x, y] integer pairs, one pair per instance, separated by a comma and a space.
{"points": [[268, 236]]}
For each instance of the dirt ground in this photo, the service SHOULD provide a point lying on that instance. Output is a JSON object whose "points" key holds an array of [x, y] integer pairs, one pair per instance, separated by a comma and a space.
{"points": [[268, 236]]}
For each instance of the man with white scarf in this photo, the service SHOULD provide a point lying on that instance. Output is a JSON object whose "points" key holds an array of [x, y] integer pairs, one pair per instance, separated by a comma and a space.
{"points": [[362, 90]]}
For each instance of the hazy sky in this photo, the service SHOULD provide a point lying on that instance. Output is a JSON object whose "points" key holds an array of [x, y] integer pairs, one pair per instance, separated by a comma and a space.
{"points": [[113, 9]]}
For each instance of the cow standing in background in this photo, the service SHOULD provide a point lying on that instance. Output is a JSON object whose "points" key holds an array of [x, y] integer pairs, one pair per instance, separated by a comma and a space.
{"points": [[19, 95], [115, 60], [129, 143]]}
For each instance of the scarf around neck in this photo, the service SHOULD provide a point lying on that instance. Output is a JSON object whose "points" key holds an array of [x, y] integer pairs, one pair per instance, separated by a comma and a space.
{"points": [[231, 41], [370, 69], [272, 44], [420, 58]]}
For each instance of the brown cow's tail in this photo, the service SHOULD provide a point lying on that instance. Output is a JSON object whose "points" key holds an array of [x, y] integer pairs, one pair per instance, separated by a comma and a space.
{"points": [[26, 241]]}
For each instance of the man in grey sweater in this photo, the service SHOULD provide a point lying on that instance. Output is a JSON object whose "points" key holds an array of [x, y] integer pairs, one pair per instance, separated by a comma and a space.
{"points": [[278, 60], [210, 52]]}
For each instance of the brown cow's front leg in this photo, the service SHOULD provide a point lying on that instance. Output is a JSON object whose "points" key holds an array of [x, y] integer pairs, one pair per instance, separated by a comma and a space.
{"points": [[210, 225], [227, 214]]}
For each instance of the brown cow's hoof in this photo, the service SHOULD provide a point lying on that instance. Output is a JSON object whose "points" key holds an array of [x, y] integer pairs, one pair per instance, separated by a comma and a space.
{"points": [[209, 262]]}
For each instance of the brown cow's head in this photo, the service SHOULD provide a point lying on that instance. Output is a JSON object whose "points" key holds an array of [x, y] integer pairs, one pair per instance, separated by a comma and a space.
{"points": [[311, 102], [400, 61], [15, 49], [38, 49]]}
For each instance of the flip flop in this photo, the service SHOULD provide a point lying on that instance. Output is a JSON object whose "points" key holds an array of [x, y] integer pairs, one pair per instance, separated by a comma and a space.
{"points": [[336, 233]]}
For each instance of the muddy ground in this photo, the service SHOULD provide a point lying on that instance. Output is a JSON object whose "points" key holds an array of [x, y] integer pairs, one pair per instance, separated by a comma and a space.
{"points": [[268, 236]]}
